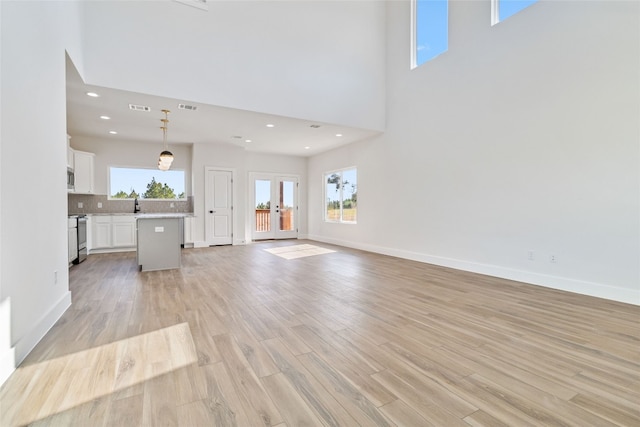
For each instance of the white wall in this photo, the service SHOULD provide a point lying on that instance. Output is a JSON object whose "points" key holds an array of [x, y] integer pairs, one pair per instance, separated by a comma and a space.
{"points": [[523, 136], [130, 154], [242, 163], [32, 174], [315, 60]]}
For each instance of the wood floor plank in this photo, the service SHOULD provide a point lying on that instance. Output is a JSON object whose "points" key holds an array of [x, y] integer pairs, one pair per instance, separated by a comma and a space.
{"points": [[255, 401], [324, 406], [159, 396], [360, 408], [222, 400], [291, 405], [241, 337], [404, 415]]}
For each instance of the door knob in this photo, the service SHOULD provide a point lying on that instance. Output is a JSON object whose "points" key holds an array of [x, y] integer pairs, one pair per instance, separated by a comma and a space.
{"points": [[212, 211]]}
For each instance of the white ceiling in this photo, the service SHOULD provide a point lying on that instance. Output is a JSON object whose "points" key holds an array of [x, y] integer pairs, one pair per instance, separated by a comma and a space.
{"points": [[208, 124]]}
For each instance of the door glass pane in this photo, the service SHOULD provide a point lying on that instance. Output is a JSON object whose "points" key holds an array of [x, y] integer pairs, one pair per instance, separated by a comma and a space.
{"points": [[263, 205], [286, 205]]}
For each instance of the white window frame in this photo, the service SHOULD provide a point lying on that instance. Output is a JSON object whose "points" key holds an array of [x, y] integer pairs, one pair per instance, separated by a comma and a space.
{"points": [[495, 11], [325, 175], [414, 33]]}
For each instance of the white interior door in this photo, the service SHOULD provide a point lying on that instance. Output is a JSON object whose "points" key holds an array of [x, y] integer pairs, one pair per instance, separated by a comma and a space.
{"points": [[275, 208], [218, 207]]}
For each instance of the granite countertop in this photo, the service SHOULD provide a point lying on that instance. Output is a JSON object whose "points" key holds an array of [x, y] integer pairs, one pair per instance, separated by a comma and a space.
{"points": [[163, 215]]}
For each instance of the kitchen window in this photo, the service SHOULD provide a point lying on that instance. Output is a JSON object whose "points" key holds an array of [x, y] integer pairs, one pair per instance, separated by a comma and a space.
{"points": [[148, 184]]}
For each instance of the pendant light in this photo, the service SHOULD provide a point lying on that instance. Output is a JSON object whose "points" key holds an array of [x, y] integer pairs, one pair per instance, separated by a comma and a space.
{"points": [[166, 157]]}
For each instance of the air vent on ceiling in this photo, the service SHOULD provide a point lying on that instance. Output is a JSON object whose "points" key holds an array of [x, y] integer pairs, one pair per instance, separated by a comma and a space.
{"points": [[314, 126], [139, 107], [187, 107]]}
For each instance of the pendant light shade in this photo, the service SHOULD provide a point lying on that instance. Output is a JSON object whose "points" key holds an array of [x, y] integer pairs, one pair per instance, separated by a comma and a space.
{"points": [[166, 157]]}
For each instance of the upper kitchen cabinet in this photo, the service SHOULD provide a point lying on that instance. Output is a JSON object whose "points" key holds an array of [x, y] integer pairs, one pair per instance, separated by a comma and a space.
{"points": [[69, 153], [83, 169]]}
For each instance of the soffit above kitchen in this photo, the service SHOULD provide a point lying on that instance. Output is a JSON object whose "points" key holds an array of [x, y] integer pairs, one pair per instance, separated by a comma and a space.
{"points": [[129, 116]]}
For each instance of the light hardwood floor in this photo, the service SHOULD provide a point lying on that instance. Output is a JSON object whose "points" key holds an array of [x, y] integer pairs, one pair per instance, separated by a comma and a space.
{"points": [[241, 336]]}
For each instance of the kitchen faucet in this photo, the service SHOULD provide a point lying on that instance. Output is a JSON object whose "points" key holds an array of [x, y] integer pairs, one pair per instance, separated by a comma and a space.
{"points": [[136, 206]]}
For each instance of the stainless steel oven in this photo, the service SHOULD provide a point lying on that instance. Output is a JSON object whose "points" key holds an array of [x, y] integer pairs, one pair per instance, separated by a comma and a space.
{"points": [[82, 239]]}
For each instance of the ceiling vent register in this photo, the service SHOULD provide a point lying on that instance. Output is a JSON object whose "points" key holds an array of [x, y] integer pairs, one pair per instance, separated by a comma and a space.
{"points": [[187, 107], [139, 107]]}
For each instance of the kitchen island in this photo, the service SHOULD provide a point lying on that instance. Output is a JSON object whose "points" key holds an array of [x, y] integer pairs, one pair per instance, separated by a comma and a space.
{"points": [[159, 238]]}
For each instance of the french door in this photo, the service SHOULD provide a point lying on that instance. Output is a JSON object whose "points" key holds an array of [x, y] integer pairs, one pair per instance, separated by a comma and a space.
{"points": [[275, 207]]}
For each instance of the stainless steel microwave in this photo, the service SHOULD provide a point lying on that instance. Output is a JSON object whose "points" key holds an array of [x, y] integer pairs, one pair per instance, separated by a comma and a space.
{"points": [[71, 179]]}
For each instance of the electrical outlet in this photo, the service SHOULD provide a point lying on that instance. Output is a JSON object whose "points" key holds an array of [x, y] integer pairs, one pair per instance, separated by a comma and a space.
{"points": [[172, 205], [99, 205], [553, 258], [531, 255], [80, 205]]}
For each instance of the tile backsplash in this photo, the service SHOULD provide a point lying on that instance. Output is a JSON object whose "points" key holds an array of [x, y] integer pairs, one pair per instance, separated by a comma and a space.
{"points": [[90, 205]]}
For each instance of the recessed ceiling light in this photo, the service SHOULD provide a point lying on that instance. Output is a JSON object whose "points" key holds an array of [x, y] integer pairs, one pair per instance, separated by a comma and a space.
{"points": [[270, 125], [92, 94], [338, 134], [247, 140], [113, 132], [105, 117], [306, 148]]}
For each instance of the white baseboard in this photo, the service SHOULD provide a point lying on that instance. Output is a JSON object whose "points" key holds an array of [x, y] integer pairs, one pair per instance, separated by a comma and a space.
{"points": [[599, 290], [27, 343]]}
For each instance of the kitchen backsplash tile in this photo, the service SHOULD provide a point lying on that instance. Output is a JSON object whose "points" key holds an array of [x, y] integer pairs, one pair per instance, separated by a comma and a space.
{"points": [[90, 205]]}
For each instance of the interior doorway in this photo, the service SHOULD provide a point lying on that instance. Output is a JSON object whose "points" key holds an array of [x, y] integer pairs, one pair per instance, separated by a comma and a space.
{"points": [[218, 222], [275, 206]]}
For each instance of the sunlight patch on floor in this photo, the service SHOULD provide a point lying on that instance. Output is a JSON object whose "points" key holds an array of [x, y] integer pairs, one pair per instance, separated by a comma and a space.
{"points": [[59, 384], [299, 251]]}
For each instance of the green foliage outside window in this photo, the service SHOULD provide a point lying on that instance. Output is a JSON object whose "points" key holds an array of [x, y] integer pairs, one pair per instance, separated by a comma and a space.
{"points": [[155, 190]]}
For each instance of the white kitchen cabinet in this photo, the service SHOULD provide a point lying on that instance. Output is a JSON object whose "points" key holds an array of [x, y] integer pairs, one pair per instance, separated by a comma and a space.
{"points": [[101, 232], [113, 232], [123, 231], [83, 165], [73, 239], [188, 229], [70, 162], [89, 233]]}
